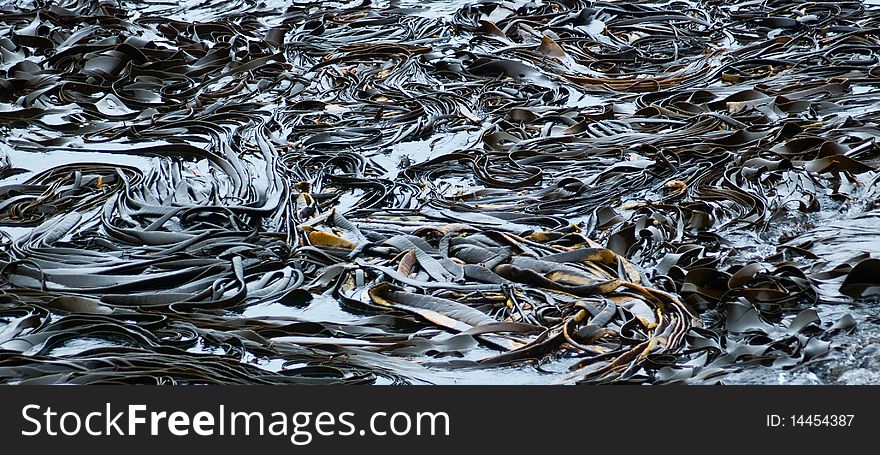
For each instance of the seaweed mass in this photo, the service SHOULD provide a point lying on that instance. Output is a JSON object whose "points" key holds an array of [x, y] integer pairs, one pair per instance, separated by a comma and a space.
{"points": [[563, 191]]}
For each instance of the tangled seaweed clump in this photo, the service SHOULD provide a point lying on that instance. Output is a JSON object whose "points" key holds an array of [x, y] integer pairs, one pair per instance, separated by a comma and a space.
{"points": [[331, 192]]}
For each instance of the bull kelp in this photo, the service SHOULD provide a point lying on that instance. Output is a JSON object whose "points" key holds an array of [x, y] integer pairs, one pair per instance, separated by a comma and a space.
{"points": [[289, 192]]}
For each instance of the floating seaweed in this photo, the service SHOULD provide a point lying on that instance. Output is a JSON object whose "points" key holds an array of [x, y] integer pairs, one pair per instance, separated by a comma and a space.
{"points": [[330, 192]]}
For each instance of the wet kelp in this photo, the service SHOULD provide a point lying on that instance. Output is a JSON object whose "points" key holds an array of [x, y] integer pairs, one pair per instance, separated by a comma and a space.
{"points": [[319, 192]]}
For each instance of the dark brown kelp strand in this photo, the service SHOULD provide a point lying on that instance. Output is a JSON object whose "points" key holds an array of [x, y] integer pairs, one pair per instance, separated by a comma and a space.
{"points": [[416, 192]]}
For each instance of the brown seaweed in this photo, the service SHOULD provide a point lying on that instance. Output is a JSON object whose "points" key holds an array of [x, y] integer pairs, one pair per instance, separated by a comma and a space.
{"points": [[598, 192]]}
